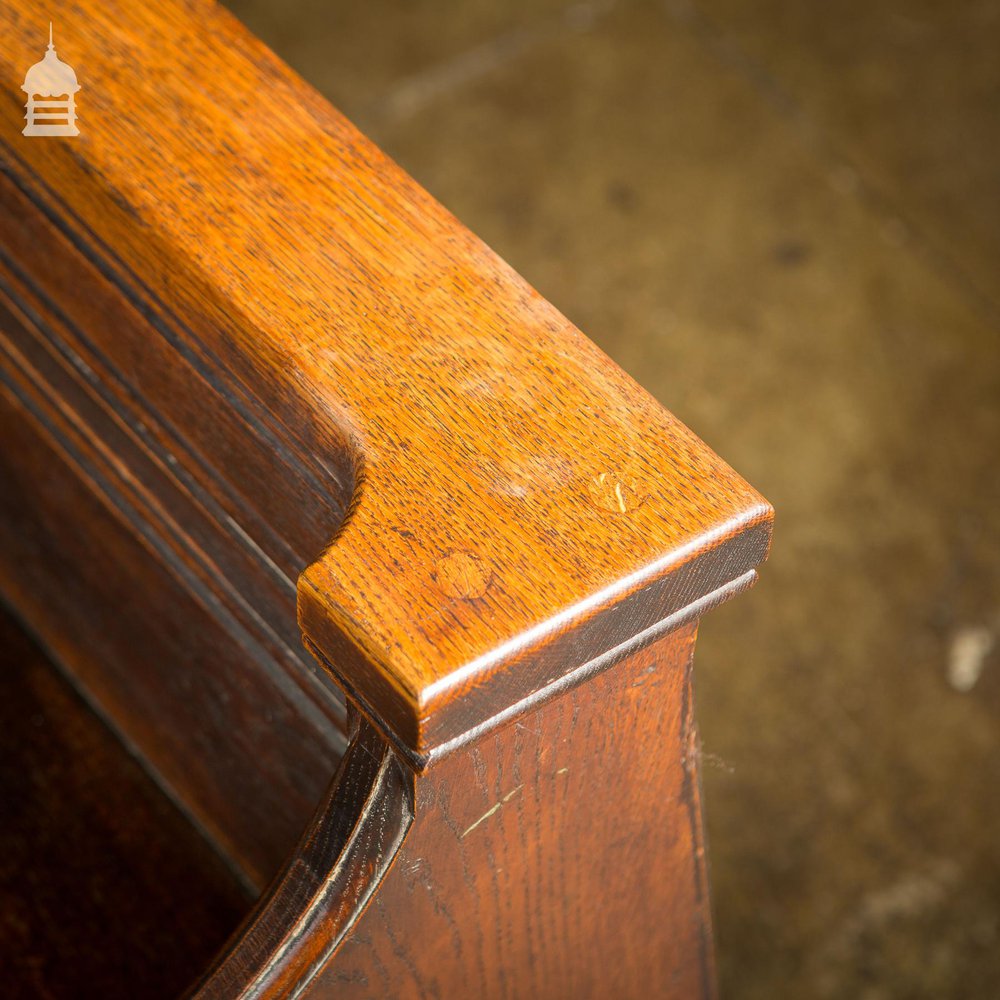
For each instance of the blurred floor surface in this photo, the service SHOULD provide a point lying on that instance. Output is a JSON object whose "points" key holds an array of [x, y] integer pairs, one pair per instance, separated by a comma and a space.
{"points": [[784, 220]]}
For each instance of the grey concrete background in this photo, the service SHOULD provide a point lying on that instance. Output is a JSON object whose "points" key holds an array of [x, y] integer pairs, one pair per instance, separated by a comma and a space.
{"points": [[784, 219]]}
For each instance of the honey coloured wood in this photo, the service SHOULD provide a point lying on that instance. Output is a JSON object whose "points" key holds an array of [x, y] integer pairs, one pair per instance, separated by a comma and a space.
{"points": [[505, 506], [262, 395]]}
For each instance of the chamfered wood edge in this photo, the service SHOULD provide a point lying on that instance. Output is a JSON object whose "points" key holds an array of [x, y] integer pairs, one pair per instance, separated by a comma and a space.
{"points": [[329, 880], [421, 762]]}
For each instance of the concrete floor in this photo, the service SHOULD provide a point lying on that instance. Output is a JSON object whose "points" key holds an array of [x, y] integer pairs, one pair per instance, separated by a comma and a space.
{"points": [[784, 219]]}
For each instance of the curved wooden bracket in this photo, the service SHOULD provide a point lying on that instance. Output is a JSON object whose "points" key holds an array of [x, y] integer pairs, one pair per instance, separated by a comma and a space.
{"points": [[344, 854]]}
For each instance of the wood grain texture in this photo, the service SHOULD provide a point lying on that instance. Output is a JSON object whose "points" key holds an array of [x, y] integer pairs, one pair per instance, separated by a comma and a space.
{"points": [[505, 504], [560, 856], [197, 694], [328, 880], [249, 369], [105, 889]]}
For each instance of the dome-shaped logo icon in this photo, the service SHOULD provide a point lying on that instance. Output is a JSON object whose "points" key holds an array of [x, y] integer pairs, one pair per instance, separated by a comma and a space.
{"points": [[51, 86]]}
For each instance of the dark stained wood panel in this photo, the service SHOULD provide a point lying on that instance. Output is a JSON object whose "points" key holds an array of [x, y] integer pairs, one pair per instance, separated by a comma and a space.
{"points": [[186, 686], [106, 890]]}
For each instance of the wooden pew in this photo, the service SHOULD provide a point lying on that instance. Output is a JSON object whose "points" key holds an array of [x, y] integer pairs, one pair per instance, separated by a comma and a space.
{"points": [[317, 501]]}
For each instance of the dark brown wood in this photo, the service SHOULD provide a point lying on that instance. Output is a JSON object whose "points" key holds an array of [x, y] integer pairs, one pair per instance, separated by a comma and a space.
{"points": [[106, 890], [239, 747], [522, 850], [254, 380], [560, 856], [328, 881]]}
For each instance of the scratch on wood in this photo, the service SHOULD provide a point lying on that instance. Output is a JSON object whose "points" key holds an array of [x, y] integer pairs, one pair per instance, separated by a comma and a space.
{"points": [[616, 493], [489, 812]]}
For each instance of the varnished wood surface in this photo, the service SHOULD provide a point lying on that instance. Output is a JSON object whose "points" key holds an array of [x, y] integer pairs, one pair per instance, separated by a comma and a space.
{"points": [[328, 880], [105, 889], [230, 734], [559, 857], [506, 504], [249, 365]]}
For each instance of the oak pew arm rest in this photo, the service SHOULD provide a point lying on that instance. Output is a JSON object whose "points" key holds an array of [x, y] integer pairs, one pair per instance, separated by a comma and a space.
{"points": [[495, 485], [360, 414]]}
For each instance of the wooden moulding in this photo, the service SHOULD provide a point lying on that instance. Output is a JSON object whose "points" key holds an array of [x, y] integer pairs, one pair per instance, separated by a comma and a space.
{"points": [[341, 860], [507, 508]]}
